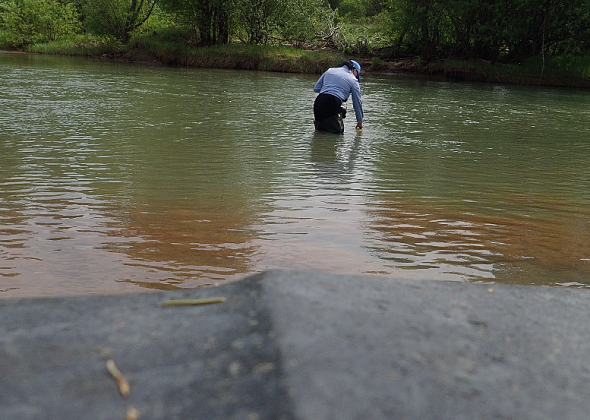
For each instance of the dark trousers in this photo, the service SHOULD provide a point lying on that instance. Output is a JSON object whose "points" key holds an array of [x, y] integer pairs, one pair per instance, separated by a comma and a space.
{"points": [[327, 110]]}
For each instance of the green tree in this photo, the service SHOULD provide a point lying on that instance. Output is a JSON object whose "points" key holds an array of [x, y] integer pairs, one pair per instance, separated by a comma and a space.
{"points": [[30, 21], [360, 8], [555, 27], [259, 19], [115, 18], [306, 20], [209, 19], [476, 28], [418, 26], [489, 29]]}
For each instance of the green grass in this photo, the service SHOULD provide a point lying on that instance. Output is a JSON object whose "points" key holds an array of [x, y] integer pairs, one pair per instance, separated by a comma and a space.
{"points": [[235, 56], [80, 45]]}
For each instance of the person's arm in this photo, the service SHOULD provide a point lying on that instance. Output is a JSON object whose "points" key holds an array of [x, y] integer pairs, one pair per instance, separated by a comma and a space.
{"points": [[357, 103]]}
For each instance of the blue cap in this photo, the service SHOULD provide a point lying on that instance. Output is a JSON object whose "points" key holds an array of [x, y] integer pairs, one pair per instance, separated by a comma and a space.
{"points": [[357, 66]]}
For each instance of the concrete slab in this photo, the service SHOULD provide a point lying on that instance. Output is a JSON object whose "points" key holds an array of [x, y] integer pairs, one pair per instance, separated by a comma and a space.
{"points": [[219, 361], [296, 345]]}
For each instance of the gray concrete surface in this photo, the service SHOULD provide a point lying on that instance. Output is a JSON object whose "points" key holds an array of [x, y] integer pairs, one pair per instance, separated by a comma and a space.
{"points": [[306, 346]]}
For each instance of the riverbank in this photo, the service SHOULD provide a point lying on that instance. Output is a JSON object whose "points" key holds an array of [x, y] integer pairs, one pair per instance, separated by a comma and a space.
{"points": [[175, 51], [301, 346]]}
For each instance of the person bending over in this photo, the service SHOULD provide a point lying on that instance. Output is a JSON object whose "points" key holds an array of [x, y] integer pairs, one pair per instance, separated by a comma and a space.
{"points": [[334, 87]]}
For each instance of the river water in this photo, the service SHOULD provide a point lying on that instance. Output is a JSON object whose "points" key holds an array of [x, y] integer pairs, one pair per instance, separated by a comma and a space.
{"points": [[118, 178]]}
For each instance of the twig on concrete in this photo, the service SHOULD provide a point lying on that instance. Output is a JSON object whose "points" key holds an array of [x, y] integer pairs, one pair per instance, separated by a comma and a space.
{"points": [[184, 302], [122, 382], [132, 414]]}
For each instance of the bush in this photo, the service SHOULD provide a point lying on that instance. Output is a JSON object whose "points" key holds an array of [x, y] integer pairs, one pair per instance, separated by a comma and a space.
{"points": [[360, 38], [89, 45], [158, 21], [28, 21], [5, 39], [307, 20], [115, 18]]}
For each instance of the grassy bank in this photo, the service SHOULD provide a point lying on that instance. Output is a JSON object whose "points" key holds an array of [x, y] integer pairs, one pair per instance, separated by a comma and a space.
{"points": [[553, 71], [238, 56], [174, 48]]}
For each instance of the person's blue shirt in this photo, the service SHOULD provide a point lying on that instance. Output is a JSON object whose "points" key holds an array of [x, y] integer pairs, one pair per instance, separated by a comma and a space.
{"points": [[341, 83]]}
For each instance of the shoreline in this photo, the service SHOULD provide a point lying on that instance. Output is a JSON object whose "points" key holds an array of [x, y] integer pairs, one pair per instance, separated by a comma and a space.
{"points": [[452, 70], [304, 61]]}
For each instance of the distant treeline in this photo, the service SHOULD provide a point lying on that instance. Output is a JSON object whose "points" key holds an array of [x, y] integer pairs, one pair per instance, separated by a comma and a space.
{"points": [[494, 30], [490, 29]]}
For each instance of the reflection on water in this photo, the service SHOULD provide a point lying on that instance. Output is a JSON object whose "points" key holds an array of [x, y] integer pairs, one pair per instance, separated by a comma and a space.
{"points": [[115, 176], [517, 249], [192, 247]]}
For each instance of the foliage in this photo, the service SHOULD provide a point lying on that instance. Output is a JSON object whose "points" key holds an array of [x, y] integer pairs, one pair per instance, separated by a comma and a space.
{"points": [[495, 31], [115, 18], [263, 57], [354, 9], [215, 22], [209, 19], [81, 44], [418, 27], [158, 21], [6, 39], [27, 21], [307, 21], [260, 18], [361, 38], [488, 29]]}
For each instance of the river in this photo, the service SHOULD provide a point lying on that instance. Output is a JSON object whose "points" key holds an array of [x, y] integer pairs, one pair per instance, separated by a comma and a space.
{"points": [[119, 178]]}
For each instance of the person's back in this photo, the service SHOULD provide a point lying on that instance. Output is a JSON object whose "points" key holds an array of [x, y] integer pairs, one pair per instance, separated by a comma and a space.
{"points": [[337, 81]]}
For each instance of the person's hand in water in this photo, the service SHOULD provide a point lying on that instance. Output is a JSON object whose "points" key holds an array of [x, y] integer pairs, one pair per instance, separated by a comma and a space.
{"points": [[359, 126]]}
